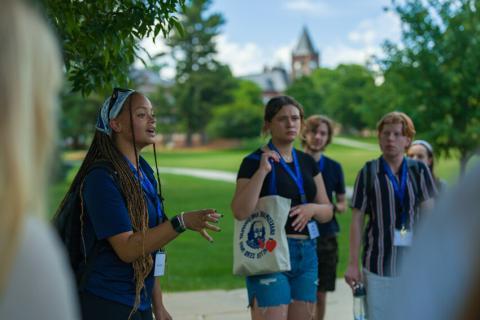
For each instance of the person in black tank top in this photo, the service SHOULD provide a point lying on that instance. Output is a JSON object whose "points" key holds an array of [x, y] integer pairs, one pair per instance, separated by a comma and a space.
{"points": [[292, 294]]}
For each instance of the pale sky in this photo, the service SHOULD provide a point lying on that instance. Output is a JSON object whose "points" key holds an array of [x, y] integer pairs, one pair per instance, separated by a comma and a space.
{"points": [[260, 33]]}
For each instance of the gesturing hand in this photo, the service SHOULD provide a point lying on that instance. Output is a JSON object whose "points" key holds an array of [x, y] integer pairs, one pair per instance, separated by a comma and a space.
{"points": [[200, 221], [161, 313]]}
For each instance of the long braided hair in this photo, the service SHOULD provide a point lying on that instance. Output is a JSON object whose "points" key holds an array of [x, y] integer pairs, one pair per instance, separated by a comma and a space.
{"points": [[103, 148]]}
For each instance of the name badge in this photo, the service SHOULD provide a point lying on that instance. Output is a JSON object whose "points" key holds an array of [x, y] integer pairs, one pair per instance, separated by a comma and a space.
{"points": [[313, 230], [402, 238], [160, 258]]}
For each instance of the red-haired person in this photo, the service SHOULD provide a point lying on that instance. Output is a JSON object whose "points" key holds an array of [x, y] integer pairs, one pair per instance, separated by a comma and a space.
{"points": [[390, 190]]}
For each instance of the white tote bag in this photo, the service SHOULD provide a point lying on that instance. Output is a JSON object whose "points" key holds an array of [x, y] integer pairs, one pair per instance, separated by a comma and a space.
{"points": [[260, 243]]}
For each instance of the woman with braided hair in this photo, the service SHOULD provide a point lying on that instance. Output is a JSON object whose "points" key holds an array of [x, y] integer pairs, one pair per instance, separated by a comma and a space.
{"points": [[124, 227]]}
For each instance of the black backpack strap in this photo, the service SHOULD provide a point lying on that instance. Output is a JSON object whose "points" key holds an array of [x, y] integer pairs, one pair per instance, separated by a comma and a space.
{"points": [[369, 177], [83, 273], [105, 164], [413, 168]]}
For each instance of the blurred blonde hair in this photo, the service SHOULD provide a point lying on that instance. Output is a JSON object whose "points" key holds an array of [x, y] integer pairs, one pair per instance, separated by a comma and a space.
{"points": [[30, 76]]}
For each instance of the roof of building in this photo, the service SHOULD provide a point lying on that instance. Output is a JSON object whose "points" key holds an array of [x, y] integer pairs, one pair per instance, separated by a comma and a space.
{"points": [[304, 45], [273, 80]]}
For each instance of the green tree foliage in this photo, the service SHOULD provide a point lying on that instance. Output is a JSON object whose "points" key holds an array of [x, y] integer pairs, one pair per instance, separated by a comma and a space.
{"points": [[165, 111], [350, 96], [309, 94], [78, 117], [241, 119], [100, 39], [435, 72], [343, 93], [201, 81]]}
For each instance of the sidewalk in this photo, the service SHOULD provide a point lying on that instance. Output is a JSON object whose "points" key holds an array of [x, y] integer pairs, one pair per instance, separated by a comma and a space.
{"points": [[215, 175], [232, 305]]}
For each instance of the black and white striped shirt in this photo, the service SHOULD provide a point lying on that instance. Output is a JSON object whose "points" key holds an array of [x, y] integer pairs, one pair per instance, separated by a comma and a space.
{"points": [[374, 195]]}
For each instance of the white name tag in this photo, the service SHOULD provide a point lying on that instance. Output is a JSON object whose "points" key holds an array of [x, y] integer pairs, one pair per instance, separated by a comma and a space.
{"points": [[159, 264], [402, 238], [313, 230]]}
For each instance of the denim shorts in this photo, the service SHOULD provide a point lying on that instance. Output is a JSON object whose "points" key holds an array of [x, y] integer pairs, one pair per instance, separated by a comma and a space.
{"points": [[300, 283]]}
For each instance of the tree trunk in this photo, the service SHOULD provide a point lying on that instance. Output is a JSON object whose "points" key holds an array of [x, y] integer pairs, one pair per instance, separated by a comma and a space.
{"points": [[189, 140], [204, 137], [464, 157], [77, 143]]}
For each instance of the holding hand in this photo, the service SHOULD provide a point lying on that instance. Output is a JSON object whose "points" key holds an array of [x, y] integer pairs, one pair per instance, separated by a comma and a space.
{"points": [[201, 220], [353, 275], [264, 160], [303, 214]]}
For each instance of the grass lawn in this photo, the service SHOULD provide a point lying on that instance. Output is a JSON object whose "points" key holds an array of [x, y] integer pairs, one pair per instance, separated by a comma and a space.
{"points": [[193, 262], [226, 160], [351, 159]]}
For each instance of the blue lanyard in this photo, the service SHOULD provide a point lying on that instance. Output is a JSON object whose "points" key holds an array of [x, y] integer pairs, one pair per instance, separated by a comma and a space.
{"points": [[321, 163], [297, 176], [401, 189], [149, 189]]}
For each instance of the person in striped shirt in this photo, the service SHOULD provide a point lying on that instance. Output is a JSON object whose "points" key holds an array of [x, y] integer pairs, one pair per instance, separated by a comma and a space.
{"points": [[392, 191]]}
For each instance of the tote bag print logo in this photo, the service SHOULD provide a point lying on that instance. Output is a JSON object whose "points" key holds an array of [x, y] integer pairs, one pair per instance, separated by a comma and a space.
{"points": [[256, 235], [260, 242]]}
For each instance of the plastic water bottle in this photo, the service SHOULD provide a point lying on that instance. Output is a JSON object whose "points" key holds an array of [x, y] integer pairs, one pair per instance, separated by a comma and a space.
{"points": [[359, 296]]}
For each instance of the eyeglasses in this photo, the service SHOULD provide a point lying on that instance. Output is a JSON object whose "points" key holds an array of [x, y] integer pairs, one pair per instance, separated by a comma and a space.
{"points": [[114, 98]]}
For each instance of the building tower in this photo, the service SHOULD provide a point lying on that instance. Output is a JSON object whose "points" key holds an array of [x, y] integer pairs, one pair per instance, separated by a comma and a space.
{"points": [[304, 57]]}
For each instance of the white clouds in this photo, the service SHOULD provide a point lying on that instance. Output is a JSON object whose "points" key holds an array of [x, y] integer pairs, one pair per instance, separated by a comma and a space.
{"points": [[242, 58], [355, 46], [363, 42], [332, 55], [284, 55], [311, 7], [374, 31], [250, 57]]}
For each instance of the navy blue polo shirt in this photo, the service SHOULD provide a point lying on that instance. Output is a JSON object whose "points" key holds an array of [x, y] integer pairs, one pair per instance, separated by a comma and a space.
{"points": [[107, 215], [332, 174]]}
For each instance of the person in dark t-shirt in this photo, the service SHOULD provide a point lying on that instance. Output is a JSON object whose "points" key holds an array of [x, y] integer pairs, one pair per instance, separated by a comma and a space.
{"points": [[317, 135], [292, 293]]}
